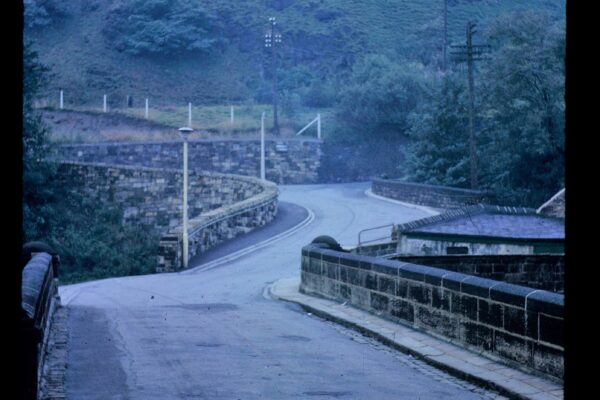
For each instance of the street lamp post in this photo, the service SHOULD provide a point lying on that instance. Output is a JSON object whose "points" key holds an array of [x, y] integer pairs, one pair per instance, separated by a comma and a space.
{"points": [[272, 42], [185, 131]]}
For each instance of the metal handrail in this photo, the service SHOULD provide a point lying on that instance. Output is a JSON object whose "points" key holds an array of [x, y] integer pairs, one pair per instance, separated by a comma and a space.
{"points": [[360, 242]]}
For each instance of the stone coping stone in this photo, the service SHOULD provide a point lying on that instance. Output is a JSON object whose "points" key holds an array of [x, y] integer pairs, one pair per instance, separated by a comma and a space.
{"points": [[507, 293]]}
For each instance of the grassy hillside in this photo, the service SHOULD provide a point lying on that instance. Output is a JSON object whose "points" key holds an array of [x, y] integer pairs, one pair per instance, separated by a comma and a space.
{"points": [[325, 36]]}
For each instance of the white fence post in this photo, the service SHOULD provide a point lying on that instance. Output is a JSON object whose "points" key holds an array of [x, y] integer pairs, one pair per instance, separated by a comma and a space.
{"points": [[61, 100], [262, 147], [146, 113], [104, 103], [231, 115], [319, 126]]}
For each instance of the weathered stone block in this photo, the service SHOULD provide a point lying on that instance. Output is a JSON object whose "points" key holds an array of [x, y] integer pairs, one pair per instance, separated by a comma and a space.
{"points": [[379, 302], [371, 281], [468, 307], [513, 348], [510, 294], [549, 360], [440, 299], [361, 297], [491, 313], [354, 276], [551, 330], [514, 320], [402, 309], [386, 285], [437, 321], [419, 292]]}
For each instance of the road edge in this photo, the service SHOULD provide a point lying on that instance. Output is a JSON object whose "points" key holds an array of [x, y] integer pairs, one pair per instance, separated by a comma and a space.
{"points": [[257, 246], [369, 193]]}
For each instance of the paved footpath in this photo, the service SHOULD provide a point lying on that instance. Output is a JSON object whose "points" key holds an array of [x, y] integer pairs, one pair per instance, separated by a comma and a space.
{"points": [[215, 333]]}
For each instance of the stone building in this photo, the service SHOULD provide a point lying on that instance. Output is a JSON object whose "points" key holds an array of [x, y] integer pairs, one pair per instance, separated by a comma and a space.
{"points": [[482, 230]]}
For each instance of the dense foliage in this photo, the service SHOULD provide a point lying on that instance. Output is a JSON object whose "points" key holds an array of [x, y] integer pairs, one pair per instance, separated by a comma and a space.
{"points": [[161, 27], [91, 241], [39, 13], [520, 109]]}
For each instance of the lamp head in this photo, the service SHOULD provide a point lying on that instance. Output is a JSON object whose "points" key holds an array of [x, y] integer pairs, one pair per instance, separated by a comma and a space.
{"points": [[185, 131]]}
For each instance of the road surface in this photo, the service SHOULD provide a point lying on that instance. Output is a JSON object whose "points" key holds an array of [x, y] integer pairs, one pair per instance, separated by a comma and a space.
{"points": [[215, 334]]}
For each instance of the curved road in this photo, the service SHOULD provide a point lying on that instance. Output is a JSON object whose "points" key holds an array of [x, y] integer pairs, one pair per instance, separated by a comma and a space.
{"points": [[214, 334]]}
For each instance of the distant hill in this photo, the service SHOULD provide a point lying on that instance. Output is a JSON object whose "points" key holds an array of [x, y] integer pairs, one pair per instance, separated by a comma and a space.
{"points": [[82, 42]]}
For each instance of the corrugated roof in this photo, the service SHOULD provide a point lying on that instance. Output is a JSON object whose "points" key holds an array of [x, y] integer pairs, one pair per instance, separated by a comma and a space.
{"points": [[490, 221]]}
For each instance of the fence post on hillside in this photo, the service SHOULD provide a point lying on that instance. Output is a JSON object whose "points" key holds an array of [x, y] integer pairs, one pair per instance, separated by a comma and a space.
{"points": [[146, 112], [319, 126], [61, 100], [262, 147], [231, 115], [104, 104]]}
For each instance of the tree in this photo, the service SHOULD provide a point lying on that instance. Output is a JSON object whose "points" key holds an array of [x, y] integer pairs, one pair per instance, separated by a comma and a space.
{"points": [[380, 95], [439, 153], [36, 194], [38, 13], [162, 27], [523, 85]]}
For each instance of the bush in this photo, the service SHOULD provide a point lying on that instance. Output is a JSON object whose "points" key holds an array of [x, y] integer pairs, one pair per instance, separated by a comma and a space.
{"points": [[161, 27], [39, 13]]}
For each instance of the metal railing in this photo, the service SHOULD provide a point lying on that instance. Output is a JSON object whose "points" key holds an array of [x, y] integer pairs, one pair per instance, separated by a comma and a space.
{"points": [[387, 237]]}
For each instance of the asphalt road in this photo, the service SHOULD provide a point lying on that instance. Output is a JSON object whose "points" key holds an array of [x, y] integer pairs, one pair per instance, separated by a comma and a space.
{"points": [[214, 334]]}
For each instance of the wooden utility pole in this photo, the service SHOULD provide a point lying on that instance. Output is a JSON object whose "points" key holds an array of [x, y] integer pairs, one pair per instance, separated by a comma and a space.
{"points": [[445, 44], [470, 53], [272, 41]]}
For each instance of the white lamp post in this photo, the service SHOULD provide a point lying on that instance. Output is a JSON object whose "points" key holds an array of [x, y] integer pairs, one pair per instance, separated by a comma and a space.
{"points": [[184, 134]]}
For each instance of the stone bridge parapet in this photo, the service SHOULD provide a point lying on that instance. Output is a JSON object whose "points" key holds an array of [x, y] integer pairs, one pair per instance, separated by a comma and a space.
{"points": [[220, 206], [522, 326], [429, 195], [215, 226]]}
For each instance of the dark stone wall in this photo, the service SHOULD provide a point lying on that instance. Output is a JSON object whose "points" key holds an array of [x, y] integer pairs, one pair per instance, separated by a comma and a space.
{"points": [[220, 206], [297, 161], [40, 299], [522, 326], [545, 271], [429, 195], [153, 196]]}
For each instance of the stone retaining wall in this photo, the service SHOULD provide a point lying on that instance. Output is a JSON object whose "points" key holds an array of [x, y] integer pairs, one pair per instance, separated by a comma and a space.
{"points": [[429, 195], [210, 228], [518, 325], [220, 206], [39, 293], [153, 196], [540, 271], [287, 161]]}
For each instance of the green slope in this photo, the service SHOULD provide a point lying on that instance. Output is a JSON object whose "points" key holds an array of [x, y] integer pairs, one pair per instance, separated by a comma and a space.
{"points": [[327, 36]]}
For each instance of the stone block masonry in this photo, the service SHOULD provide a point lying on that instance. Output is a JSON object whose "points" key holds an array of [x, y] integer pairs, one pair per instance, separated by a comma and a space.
{"points": [[153, 196], [213, 227], [429, 195], [539, 271], [297, 161], [221, 206], [520, 326]]}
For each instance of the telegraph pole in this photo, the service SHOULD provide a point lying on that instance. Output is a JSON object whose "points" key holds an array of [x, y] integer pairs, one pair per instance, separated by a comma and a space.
{"points": [[470, 53], [273, 41], [445, 44]]}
